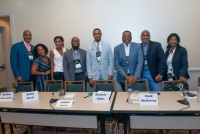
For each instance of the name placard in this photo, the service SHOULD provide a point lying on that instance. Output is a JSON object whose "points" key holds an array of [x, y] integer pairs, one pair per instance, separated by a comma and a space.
{"points": [[64, 103], [100, 97], [6, 96], [149, 99], [30, 96]]}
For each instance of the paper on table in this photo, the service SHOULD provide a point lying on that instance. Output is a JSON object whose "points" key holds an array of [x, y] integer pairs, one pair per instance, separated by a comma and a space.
{"points": [[109, 93], [188, 97], [70, 95], [64, 103]]}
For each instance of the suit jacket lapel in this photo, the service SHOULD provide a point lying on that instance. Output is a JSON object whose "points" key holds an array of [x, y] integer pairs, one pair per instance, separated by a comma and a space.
{"points": [[32, 47], [94, 47], [81, 56], [102, 51], [123, 52], [130, 51], [149, 48], [175, 53], [71, 54], [23, 47]]}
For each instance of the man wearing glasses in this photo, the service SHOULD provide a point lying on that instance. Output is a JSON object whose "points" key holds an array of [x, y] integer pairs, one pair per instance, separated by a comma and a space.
{"points": [[128, 60]]}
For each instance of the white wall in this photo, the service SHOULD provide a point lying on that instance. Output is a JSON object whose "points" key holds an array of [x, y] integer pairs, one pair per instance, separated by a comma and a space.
{"points": [[49, 18]]}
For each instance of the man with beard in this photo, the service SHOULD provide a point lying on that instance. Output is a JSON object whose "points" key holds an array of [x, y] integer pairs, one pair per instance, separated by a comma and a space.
{"points": [[99, 59], [21, 58], [74, 62], [154, 62], [128, 60]]}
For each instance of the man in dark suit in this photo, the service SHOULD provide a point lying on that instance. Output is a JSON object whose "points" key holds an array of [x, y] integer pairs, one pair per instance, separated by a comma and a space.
{"points": [[128, 60], [74, 62], [154, 62], [21, 58]]}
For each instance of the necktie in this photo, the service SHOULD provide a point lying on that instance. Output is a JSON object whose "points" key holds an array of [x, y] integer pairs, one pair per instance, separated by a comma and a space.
{"points": [[98, 50], [28, 47], [98, 53]]}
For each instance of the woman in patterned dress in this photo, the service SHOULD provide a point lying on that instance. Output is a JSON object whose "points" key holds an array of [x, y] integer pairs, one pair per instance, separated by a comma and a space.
{"points": [[41, 66]]}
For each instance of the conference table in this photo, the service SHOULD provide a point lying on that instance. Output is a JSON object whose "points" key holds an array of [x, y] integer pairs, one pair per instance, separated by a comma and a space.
{"points": [[82, 114], [168, 114]]}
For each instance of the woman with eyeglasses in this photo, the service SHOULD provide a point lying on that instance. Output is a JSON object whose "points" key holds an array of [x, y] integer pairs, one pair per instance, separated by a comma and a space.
{"points": [[177, 59]]}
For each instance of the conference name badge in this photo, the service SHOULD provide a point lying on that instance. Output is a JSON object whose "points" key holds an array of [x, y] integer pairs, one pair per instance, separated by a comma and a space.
{"points": [[6, 96], [30, 96], [100, 97], [149, 99]]}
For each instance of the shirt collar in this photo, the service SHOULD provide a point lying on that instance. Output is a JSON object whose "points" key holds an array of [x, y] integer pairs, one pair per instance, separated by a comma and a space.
{"points": [[129, 44], [97, 43], [75, 51], [171, 52], [145, 44], [27, 44]]}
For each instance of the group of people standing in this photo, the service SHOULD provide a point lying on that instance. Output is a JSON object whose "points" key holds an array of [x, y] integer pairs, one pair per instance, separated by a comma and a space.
{"points": [[132, 61]]}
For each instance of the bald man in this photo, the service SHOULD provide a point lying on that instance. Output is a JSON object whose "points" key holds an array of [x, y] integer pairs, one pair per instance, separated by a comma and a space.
{"points": [[154, 62], [21, 58], [74, 62]]}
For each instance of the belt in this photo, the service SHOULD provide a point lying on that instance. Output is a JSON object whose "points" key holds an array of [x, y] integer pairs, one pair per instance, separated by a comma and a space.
{"points": [[57, 72]]}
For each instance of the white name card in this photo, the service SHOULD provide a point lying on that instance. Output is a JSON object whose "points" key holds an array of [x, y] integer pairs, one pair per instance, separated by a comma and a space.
{"points": [[149, 99], [64, 103], [30, 96], [6, 96], [100, 97]]}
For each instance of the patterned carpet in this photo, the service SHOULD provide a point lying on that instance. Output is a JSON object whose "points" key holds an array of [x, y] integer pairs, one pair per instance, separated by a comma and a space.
{"points": [[22, 129]]}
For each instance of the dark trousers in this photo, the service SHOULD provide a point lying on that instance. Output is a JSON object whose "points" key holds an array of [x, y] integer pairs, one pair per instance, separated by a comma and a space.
{"points": [[58, 75], [81, 76], [32, 78], [122, 86]]}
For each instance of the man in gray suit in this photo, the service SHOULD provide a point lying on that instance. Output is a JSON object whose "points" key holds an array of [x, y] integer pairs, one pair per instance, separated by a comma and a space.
{"points": [[99, 59], [128, 60], [74, 62]]}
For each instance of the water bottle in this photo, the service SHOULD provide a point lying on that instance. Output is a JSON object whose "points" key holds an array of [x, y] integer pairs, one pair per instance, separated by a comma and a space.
{"points": [[129, 95]]}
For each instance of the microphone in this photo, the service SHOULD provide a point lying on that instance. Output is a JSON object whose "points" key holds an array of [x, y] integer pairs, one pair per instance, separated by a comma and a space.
{"points": [[184, 92], [52, 99]]}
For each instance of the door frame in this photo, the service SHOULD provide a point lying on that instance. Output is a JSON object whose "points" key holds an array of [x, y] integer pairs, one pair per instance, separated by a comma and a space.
{"points": [[8, 35], [10, 15]]}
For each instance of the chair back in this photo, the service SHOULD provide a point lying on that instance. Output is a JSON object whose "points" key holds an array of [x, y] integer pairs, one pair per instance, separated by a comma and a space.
{"points": [[53, 85], [198, 83], [173, 85], [23, 86], [140, 85], [104, 85], [74, 86]]}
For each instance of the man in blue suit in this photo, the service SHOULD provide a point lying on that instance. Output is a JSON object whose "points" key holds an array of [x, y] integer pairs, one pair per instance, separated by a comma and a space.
{"points": [[154, 62], [128, 60], [99, 59], [21, 57]]}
